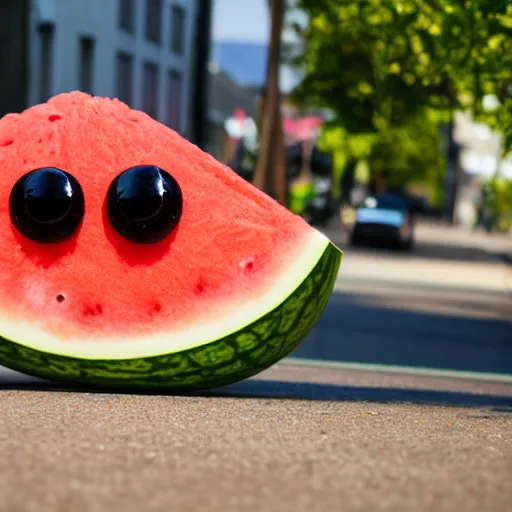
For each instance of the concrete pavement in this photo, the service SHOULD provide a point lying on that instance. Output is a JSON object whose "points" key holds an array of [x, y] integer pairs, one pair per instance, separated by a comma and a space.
{"points": [[443, 256]]}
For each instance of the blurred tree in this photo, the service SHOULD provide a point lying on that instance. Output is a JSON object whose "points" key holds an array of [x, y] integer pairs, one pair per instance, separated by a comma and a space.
{"points": [[410, 153], [366, 60], [405, 154], [499, 117], [378, 63], [375, 62], [503, 204], [270, 171], [504, 124]]}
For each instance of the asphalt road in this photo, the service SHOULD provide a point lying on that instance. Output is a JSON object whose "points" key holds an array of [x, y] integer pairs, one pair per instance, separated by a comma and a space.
{"points": [[397, 324], [297, 438], [304, 435], [448, 305]]}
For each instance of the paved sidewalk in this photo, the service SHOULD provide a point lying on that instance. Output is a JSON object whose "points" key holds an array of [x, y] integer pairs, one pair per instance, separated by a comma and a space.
{"points": [[444, 256], [422, 271]]}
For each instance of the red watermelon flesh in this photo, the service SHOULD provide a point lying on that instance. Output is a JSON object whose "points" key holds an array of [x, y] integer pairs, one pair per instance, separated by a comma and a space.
{"points": [[236, 253]]}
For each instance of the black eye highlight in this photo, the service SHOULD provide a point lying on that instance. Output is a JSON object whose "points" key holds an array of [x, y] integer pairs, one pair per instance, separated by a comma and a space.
{"points": [[144, 204], [47, 205]]}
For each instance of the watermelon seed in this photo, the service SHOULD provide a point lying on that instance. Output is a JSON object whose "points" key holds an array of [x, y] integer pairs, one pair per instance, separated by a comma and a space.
{"points": [[6, 143], [54, 117], [249, 265], [199, 287], [60, 298]]}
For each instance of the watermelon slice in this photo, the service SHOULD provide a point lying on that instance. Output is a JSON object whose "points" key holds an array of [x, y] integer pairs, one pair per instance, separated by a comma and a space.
{"points": [[224, 283]]}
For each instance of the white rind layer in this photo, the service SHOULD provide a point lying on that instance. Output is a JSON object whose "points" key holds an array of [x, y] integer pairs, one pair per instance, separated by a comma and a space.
{"points": [[301, 264]]}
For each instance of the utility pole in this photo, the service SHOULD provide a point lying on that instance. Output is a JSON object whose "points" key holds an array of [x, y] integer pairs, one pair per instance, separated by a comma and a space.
{"points": [[14, 25], [199, 107]]}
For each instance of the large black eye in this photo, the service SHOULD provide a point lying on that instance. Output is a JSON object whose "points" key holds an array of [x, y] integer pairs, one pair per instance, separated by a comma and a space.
{"points": [[47, 205], [144, 204]]}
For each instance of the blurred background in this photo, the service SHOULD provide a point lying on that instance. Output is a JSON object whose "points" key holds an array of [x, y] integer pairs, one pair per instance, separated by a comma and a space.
{"points": [[387, 124]]}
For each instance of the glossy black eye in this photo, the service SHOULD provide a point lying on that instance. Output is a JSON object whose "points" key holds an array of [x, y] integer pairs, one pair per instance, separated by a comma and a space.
{"points": [[144, 204], [47, 205]]}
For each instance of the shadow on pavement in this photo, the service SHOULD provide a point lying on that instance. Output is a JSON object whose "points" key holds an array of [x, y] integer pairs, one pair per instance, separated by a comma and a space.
{"points": [[380, 329], [459, 253], [330, 392], [284, 390]]}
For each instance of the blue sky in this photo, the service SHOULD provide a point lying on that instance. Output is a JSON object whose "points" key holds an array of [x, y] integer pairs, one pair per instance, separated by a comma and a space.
{"points": [[241, 30], [245, 21]]}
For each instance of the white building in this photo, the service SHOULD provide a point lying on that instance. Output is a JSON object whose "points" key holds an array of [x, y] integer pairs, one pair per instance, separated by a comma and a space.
{"points": [[140, 51]]}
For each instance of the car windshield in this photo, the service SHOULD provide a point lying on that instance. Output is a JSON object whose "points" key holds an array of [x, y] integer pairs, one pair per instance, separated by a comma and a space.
{"points": [[385, 201]]}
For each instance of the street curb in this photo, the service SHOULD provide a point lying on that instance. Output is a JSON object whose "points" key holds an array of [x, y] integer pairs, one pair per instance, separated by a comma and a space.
{"points": [[400, 370]]}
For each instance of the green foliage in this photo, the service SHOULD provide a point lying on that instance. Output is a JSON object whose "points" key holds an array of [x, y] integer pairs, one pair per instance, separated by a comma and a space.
{"points": [[494, 6], [501, 202], [408, 152], [381, 64], [364, 60], [504, 124], [500, 119], [378, 61]]}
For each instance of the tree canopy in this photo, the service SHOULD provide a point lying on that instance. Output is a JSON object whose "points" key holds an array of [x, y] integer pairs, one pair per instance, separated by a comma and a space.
{"points": [[377, 61], [408, 153], [380, 65]]}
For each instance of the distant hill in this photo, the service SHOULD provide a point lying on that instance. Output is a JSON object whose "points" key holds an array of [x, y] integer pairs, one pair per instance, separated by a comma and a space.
{"points": [[245, 62]]}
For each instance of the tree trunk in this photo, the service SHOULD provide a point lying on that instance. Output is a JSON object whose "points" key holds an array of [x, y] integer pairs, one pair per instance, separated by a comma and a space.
{"points": [[279, 160], [269, 174], [378, 183], [347, 181]]}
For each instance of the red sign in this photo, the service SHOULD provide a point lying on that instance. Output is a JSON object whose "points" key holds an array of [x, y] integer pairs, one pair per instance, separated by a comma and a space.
{"points": [[302, 128]]}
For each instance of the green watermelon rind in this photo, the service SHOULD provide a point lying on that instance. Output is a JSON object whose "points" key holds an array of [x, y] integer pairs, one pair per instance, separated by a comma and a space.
{"points": [[233, 358]]}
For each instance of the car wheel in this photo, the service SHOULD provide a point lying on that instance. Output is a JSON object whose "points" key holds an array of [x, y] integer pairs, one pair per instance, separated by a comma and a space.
{"points": [[407, 245], [354, 240]]}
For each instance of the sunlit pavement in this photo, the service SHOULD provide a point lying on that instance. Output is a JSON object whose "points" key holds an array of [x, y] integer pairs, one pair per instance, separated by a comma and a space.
{"points": [[356, 432], [299, 437], [443, 256]]}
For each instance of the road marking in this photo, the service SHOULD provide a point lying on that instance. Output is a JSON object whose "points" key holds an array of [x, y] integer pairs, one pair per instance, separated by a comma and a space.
{"points": [[405, 370]]}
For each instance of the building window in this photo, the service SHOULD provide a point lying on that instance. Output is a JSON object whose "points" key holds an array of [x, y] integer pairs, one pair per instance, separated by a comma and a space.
{"points": [[154, 21], [174, 86], [46, 32], [127, 15], [86, 73], [124, 77], [150, 89], [177, 29]]}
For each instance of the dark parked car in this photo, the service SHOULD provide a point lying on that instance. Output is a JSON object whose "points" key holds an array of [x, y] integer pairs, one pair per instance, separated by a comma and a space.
{"points": [[383, 219]]}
